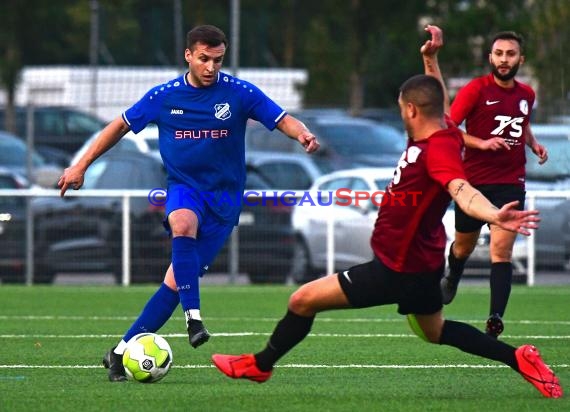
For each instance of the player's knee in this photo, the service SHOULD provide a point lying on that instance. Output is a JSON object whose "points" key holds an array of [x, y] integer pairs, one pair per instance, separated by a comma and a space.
{"points": [[427, 336], [462, 250], [299, 302]]}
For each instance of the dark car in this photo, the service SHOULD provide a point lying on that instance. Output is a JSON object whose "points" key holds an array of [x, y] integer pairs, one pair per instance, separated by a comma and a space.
{"points": [[346, 142], [283, 171], [83, 234], [14, 156], [12, 228], [60, 127]]}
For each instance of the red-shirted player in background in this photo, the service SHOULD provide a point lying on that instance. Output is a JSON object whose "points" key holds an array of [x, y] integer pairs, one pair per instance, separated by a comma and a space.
{"points": [[409, 247], [496, 109]]}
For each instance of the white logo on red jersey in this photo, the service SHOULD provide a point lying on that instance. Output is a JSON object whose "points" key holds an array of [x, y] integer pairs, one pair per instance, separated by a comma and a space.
{"points": [[409, 156], [515, 124], [490, 102], [523, 106]]}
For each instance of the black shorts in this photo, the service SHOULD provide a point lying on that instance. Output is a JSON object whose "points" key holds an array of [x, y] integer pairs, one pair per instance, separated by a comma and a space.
{"points": [[374, 284], [499, 195]]}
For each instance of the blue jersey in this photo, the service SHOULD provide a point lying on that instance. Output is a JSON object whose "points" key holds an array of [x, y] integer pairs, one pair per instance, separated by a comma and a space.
{"points": [[202, 134]]}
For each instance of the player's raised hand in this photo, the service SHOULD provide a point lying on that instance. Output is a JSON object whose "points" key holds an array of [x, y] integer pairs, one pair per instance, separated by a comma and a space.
{"points": [[432, 46]]}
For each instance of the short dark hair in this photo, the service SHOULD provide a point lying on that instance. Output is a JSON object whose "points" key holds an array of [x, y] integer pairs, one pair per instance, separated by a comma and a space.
{"points": [[207, 34], [425, 92], [508, 35]]}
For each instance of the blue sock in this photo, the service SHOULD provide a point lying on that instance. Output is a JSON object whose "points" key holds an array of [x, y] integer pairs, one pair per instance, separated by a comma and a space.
{"points": [[156, 312], [186, 265]]}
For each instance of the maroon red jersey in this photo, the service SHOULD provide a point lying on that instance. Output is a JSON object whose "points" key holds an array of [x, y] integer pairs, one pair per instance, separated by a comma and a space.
{"points": [[409, 235], [490, 110]]}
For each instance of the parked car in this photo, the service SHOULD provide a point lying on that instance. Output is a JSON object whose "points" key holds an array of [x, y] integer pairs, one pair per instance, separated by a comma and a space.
{"points": [[145, 141], [346, 142], [555, 173], [283, 171], [266, 239], [61, 127], [14, 154], [353, 226], [552, 239], [12, 228], [83, 234]]}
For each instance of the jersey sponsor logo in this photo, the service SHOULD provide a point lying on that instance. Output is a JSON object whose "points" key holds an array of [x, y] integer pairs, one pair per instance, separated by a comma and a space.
{"points": [[201, 134], [177, 111], [513, 123], [222, 111], [491, 102]]}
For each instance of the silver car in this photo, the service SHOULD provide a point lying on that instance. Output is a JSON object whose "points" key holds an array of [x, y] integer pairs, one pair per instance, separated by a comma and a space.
{"points": [[352, 223]]}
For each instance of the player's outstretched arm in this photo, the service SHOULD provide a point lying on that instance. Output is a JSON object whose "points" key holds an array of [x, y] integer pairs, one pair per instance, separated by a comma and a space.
{"points": [[110, 135], [476, 205]]}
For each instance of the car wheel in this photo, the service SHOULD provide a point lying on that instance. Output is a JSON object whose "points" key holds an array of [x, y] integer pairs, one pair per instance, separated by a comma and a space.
{"points": [[43, 274], [302, 270]]}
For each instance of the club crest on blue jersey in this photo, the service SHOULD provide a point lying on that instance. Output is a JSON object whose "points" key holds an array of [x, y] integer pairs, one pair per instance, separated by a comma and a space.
{"points": [[222, 111]]}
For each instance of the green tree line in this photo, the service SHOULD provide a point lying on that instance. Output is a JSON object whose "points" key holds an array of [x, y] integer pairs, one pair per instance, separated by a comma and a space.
{"points": [[357, 52]]}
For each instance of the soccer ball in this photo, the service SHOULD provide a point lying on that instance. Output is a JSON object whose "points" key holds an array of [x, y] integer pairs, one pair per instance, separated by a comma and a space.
{"points": [[148, 357]]}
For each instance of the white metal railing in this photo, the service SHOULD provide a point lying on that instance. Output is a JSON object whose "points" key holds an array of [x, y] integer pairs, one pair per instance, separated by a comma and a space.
{"points": [[531, 197], [126, 195]]}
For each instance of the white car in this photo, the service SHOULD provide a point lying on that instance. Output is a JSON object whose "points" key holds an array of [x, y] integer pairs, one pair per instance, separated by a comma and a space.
{"points": [[145, 141], [352, 225]]}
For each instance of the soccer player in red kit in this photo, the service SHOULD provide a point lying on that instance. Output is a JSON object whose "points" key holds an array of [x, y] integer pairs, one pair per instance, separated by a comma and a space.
{"points": [[496, 109], [409, 252]]}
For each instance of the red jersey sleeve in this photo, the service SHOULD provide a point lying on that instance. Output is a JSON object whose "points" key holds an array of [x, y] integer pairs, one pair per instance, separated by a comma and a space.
{"points": [[444, 161], [464, 102]]}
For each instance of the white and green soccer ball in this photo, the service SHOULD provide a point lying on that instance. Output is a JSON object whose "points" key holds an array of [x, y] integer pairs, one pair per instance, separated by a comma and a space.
{"points": [[148, 357]]}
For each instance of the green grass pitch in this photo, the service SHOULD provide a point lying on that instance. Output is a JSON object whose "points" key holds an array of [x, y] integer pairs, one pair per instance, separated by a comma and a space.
{"points": [[52, 340]]}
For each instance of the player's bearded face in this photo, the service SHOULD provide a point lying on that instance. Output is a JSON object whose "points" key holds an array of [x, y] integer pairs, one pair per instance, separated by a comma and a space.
{"points": [[500, 71]]}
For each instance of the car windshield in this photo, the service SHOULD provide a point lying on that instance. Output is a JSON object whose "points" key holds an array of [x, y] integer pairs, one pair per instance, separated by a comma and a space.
{"points": [[558, 164], [362, 139], [13, 153]]}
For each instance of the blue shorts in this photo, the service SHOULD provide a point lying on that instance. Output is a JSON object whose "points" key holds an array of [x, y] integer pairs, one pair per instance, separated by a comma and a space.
{"points": [[212, 233]]}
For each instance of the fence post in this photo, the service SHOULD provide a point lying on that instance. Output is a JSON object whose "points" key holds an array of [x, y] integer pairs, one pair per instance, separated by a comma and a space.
{"points": [[531, 249], [330, 242], [126, 245]]}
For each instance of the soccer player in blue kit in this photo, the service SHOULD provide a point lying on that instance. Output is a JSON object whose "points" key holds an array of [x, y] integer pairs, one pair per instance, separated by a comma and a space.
{"points": [[201, 117]]}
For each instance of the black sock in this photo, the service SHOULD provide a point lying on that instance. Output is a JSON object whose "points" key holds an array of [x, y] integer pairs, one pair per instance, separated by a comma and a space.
{"points": [[456, 265], [500, 281], [471, 340], [290, 330]]}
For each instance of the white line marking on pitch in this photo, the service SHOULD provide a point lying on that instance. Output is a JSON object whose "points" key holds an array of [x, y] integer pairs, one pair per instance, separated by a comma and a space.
{"points": [[291, 366], [240, 334]]}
